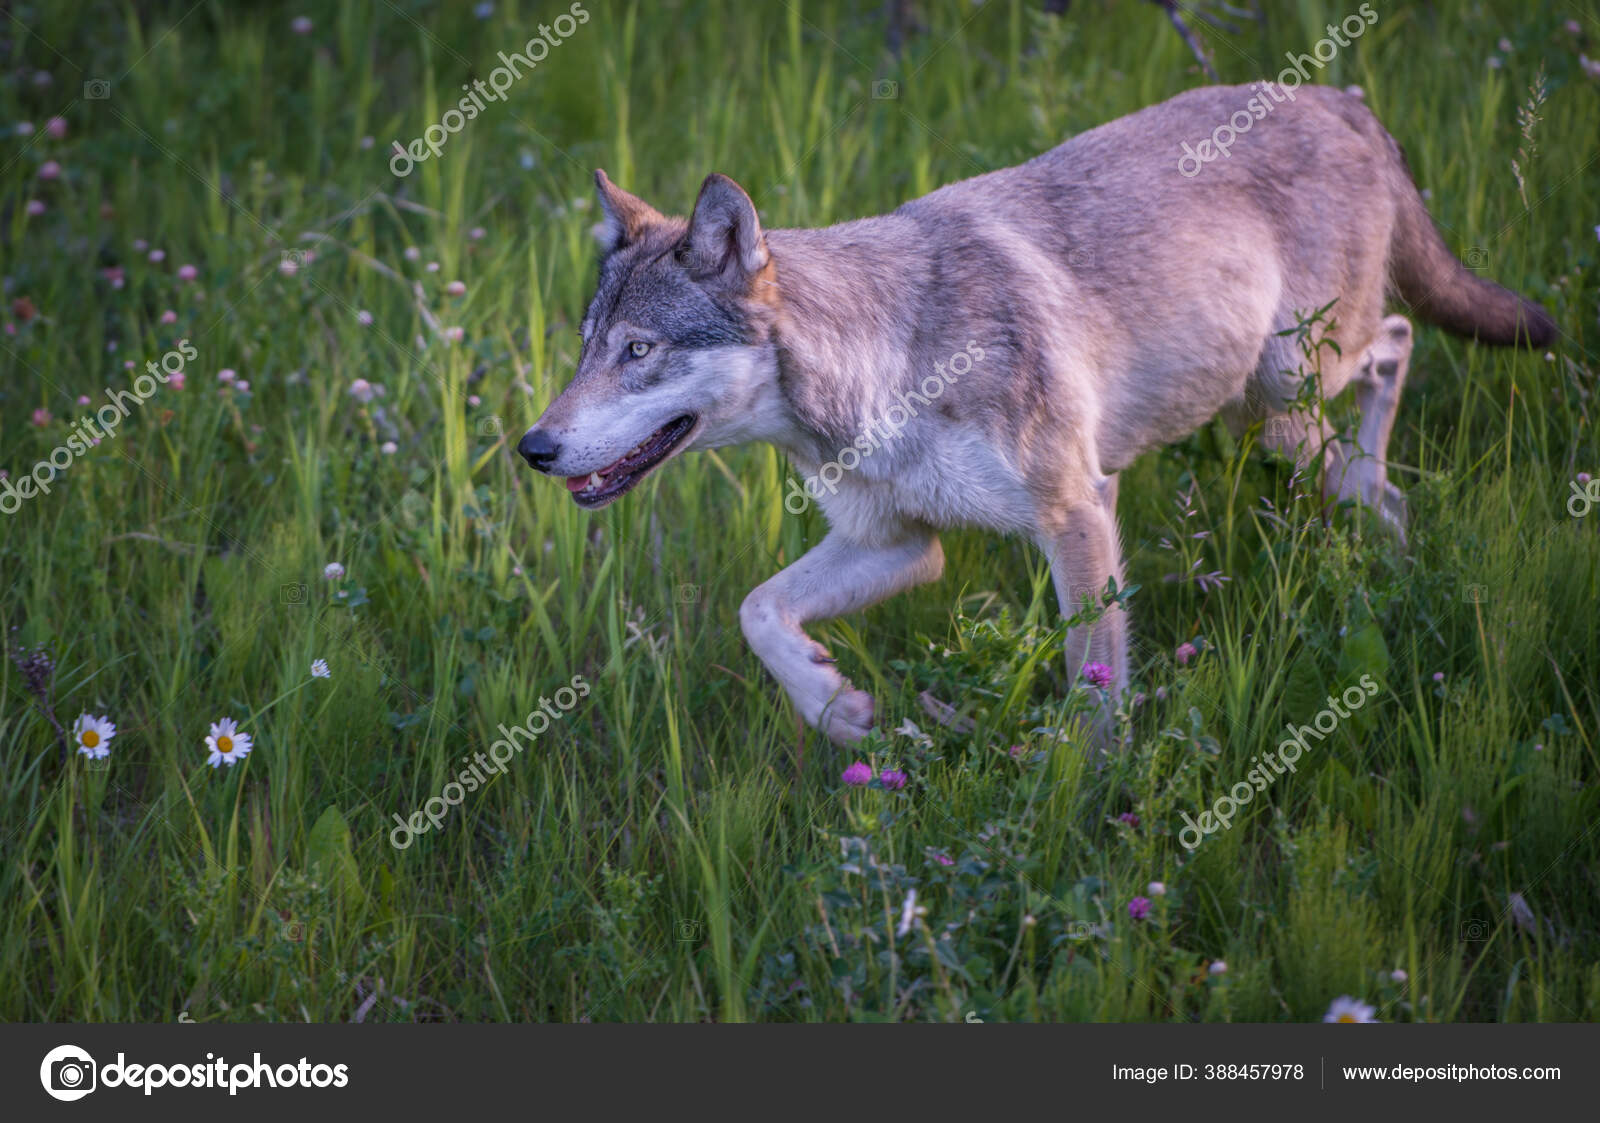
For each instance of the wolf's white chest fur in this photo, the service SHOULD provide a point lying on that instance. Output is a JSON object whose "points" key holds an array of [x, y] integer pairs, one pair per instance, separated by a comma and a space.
{"points": [[951, 476]]}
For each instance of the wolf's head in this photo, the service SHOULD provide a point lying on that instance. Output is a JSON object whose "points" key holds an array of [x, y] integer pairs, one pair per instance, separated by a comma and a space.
{"points": [[677, 345]]}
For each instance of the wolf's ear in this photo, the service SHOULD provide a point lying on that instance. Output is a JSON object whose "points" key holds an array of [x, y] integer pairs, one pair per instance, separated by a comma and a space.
{"points": [[725, 238], [623, 217]]}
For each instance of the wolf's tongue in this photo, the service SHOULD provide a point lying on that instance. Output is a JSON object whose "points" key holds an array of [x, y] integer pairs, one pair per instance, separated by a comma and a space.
{"points": [[578, 483]]}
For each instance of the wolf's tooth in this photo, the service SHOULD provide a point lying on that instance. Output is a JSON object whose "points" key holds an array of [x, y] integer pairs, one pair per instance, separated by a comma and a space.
{"points": [[595, 480]]}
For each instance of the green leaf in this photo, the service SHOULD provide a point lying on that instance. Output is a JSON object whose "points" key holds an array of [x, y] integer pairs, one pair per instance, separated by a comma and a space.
{"points": [[1303, 694], [1364, 653], [329, 857]]}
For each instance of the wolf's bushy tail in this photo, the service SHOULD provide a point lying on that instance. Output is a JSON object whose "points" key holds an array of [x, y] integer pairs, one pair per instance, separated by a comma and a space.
{"points": [[1443, 291]]}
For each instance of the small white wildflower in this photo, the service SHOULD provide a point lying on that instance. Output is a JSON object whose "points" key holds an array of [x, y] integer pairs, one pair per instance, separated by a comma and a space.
{"points": [[226, 744], [93, 735], [1347, 1009], [908, 912]]}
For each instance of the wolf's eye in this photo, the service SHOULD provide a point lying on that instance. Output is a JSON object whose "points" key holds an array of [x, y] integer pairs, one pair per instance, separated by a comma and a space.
{"points": [[638, 348]]}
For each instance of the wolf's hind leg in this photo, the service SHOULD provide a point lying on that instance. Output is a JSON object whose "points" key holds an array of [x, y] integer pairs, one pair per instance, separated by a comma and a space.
{"points": [[1356, 470], [1362, 473], [835, 577]]}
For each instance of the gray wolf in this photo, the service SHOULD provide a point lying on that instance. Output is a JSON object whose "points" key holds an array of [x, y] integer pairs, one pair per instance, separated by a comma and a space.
{"points": [[1118, 303]]}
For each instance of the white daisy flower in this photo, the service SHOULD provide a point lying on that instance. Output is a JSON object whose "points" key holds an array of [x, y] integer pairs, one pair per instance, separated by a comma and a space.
{"points": [[93, 735], [1347, 1009], [332, 571], [319, 669], [228, 746]]}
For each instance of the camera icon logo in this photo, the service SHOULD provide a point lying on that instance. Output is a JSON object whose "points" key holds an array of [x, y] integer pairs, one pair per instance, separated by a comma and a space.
{"points": [[885, 89], [96, 89], [690, 930], [294, 932], [1474, 931], [1081, 258], [686, 594], [1083, 598], [490, 426], [1475, 594], [1476, 257], [292, 593], [68, 1073], [294, 260]]}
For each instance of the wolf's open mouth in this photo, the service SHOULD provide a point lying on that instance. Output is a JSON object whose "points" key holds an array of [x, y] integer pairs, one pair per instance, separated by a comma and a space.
{"points": [[614, 480]]}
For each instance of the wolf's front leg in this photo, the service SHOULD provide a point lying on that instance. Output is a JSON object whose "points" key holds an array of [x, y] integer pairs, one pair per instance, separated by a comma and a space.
{"points": [[836, 577], [1084, 554]]}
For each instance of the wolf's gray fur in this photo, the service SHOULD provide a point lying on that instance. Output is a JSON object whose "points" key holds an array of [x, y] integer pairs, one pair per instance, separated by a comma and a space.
{"points": [[1118, 304]]}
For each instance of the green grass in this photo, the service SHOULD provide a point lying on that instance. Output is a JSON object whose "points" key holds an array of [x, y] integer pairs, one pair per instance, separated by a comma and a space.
{"points": [[673, 848]]}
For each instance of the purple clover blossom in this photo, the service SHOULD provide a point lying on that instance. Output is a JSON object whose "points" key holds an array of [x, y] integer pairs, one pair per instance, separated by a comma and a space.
{"points": [[1139, 908], [1097, 675], [857, 775]]}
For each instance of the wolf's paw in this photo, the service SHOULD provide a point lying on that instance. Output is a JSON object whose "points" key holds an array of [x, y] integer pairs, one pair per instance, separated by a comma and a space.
{"points": [[847, 717]]}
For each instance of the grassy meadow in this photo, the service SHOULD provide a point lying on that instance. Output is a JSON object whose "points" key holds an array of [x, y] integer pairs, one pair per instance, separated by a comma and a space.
{"points": [[366, 350]]}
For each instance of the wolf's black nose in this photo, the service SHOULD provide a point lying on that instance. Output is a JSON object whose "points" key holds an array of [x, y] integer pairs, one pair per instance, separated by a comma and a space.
{"points": [[538, 450]]}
